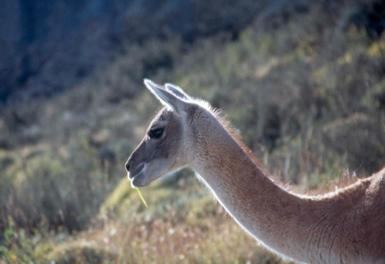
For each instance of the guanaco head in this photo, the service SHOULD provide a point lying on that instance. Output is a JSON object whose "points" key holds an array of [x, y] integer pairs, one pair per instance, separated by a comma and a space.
{"points": [[164, 148]]}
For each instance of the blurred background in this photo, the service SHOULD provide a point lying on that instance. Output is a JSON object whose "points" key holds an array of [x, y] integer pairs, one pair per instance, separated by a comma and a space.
{"points": [[303, 81]]}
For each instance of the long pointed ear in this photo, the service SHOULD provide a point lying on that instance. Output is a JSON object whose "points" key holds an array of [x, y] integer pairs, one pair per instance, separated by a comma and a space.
{"points": [[177, 91], [167, 98]]}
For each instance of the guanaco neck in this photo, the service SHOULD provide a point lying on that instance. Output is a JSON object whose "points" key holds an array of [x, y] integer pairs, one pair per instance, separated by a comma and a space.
{"points": [[284, 222]]}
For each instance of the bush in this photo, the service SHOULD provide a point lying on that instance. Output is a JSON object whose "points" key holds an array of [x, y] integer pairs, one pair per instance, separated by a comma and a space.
{"points": [[365, 148], [55, 191]]}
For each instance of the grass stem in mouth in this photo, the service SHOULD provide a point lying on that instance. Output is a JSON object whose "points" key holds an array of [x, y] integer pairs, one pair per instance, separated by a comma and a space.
{"points": [[141, 197]]}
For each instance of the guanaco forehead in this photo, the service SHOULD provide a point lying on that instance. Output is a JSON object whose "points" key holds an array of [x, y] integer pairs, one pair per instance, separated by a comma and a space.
{"points": [[161, 118]]}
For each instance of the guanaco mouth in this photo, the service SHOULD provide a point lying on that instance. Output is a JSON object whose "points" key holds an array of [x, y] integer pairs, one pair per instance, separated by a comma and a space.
{"points": [[136, 171], [135, 174]]}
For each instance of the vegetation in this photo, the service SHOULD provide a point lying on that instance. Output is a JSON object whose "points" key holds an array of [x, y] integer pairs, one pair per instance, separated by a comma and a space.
{"points": [[305, 88]]}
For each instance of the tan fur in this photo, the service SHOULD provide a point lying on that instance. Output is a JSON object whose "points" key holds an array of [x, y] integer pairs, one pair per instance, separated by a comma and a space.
{"points": [[345, 226]]}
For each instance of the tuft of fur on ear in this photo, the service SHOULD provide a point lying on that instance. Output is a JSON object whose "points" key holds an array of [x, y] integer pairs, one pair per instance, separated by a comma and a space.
{"points": [[166, 97]]}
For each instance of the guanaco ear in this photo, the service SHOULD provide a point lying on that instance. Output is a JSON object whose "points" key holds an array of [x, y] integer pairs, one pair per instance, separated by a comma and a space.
{"points": [[177, 91], [166, 97]]}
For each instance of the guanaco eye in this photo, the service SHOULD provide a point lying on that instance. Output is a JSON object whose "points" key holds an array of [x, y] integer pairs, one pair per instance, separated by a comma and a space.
{"points": [[156, 133]]}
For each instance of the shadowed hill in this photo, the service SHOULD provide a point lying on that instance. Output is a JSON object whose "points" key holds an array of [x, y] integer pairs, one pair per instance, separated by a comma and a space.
{"points": [[69, 39]]}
